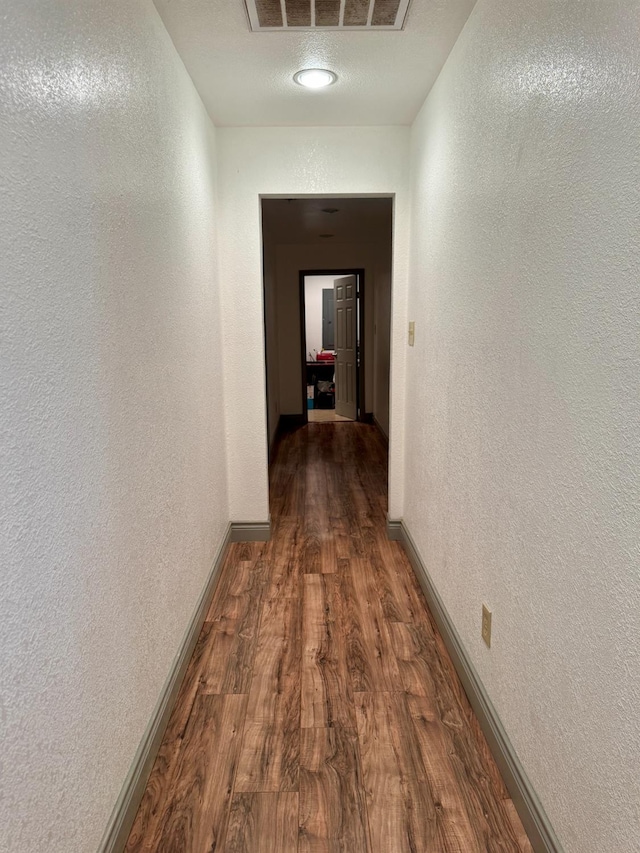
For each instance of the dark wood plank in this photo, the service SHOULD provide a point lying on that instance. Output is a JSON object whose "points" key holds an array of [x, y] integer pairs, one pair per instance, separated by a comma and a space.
{"points": [[318, 553], [359, 666], [196, 818], [397, 594], [415, 658], [457, 830], [524, 845], [230, 601], [263, 823], [381, 671], [270, 750], [236, 620], [333, 816], [464, 787], [326, 696], [218, 670], [282, 555], [160, 785], [402, 814]]}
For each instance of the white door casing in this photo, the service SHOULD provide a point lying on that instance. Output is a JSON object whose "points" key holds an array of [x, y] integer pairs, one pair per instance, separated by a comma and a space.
{"points": [[345, 308]]}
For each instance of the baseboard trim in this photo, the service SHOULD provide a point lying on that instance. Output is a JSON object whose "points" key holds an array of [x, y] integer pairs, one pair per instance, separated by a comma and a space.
{"points": [[288, 422], [126, 807], [380, 430], [535, 821], [394, 530], [250, 531]]}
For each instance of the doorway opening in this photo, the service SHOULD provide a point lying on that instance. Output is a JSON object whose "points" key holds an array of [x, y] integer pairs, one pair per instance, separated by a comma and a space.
{"points": [[331, 327], [346, 238]]}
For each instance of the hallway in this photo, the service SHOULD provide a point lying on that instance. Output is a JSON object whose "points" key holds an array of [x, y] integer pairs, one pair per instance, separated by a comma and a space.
{"points": [[320, 711]]}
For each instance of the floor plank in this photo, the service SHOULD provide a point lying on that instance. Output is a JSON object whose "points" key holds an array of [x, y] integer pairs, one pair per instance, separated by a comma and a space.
{"points": [[402, 816], [235, 627], [263, 823], [270, 749], [326, 696], [196, 819], [333, 816], [159, 791], [463, 785], [381, 671], [523, 841], [455, 828]]}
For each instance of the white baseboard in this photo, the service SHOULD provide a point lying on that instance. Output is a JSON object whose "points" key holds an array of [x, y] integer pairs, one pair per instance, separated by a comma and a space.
{"points": [[534, 819]]}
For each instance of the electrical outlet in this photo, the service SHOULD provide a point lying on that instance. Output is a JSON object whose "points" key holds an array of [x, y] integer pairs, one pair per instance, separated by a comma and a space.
{"points": [[486, 625], [412, 333]]}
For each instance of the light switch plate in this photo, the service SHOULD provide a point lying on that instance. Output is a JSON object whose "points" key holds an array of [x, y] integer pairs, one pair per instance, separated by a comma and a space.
{"points": [[486, 625]]}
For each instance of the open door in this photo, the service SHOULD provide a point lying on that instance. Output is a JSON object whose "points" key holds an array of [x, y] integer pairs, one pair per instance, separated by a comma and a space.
{"points": [[346, 331]]}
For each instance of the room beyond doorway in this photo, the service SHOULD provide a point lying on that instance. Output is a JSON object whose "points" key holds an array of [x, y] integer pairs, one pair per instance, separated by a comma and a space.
{"points": [[332, 355], [325, 235]]}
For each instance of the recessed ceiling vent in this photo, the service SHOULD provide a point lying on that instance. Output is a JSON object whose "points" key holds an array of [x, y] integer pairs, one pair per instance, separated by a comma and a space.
{"points": [[274, 15]]}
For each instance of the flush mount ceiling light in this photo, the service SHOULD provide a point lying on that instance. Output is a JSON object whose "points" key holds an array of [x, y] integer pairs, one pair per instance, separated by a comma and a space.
{"points": [[315, 78]]}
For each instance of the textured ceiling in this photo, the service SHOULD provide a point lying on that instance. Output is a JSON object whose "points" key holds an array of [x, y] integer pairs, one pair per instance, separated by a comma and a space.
{"points": [[305, 220], [245, 78]]}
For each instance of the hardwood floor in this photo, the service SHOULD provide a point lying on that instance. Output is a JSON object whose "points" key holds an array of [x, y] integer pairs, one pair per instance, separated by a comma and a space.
{"points": [[321, 712]]}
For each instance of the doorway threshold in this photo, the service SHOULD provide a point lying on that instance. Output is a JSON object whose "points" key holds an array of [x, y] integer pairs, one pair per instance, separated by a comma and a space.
{"points": [[325, 416]]}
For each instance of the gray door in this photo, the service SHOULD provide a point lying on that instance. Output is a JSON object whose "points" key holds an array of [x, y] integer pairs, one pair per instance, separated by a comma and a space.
{"points": [[345, 301], [328, 319]]}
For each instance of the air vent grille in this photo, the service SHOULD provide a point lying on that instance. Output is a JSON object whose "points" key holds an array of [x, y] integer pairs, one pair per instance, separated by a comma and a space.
{"points": [[270, 15]]}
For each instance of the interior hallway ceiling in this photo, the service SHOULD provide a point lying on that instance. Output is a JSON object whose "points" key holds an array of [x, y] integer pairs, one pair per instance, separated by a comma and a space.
{"points": [[245, 78], [340, 220]]}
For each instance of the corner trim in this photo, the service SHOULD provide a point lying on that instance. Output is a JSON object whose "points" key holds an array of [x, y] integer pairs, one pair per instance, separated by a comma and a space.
{"points": [[534, 819], [126, 807], [250, 531]]}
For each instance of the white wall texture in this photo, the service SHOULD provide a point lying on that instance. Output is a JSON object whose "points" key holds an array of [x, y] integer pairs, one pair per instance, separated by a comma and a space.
{"points": [[523, 414], [113, 495], [281, 161]]}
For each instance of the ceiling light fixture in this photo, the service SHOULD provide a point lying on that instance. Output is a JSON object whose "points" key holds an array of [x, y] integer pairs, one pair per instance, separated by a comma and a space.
{"points": [[330, 209], [315, 78]]}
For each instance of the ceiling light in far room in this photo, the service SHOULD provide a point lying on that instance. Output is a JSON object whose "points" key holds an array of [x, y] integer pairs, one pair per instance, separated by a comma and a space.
{"points": [[315, 78]]}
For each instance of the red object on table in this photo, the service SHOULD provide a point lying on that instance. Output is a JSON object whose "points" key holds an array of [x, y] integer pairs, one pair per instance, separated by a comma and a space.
{"points": [[325, 356]]}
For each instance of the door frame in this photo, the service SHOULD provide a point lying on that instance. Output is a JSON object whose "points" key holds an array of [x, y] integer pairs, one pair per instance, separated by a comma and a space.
{"points": [[360, 384]]}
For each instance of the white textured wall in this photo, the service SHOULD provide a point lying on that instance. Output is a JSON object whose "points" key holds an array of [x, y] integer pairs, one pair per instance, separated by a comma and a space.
{"points": [[523, 413], [281, 161], [112, 476]]}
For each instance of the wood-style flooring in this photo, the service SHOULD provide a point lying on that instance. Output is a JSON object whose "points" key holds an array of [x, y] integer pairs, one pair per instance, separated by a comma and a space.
{"points": [[321, 712]]}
